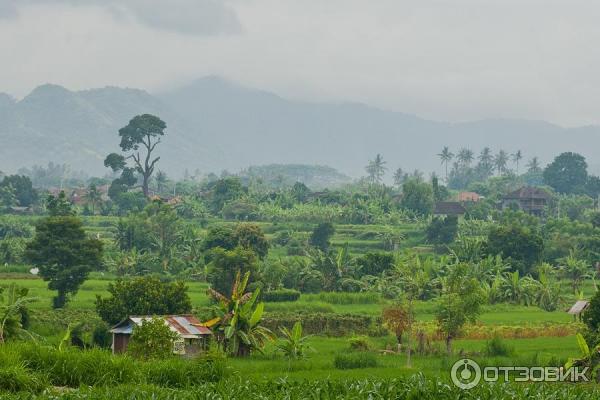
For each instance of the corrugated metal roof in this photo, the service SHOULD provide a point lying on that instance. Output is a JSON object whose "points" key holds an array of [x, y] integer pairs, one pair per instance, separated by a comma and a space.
{"points": [[578, 307], [186, 326]]}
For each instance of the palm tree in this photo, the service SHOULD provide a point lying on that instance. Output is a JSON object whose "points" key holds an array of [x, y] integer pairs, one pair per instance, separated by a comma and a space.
{"points": [[161, 181], [465, 156], [399, 177], [575, 269], [486, 162], [239, 318], [518, 156], [376, 169], [500, 161], [94, 196], [533, 166], [446, 156]]}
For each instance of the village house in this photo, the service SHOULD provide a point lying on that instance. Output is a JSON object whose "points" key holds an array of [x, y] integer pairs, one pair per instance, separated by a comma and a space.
{"points": [[531, 200], [468, 196], [446, 208], [192, 335]]}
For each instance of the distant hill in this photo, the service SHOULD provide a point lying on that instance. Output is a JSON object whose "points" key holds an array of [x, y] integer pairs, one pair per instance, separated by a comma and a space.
{"points": [[214, 124], [314, 176]]}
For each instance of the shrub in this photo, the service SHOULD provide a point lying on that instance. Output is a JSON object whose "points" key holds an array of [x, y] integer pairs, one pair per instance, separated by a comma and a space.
{"points": [[101, 336], [498, 347], [152, 339], [343, 298], [281, 295], [355, 360], [359, 343], [294, 307], [330, 324]]}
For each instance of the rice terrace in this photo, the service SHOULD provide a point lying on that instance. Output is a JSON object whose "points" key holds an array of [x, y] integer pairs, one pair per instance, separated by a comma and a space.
{"points": [[409, 208]]}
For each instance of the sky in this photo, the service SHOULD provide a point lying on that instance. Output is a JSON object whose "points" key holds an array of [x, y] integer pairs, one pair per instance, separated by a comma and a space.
{"points": [[451, 60]]}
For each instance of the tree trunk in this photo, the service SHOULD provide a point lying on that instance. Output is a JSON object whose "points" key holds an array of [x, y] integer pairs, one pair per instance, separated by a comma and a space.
{"points": [[145, 185], [408, 351], [449, 344]]}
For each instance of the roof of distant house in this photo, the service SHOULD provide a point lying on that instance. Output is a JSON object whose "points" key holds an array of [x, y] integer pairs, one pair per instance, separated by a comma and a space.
{"points": [[528, 192], [449, 208], [186, 326], [579, 307], [468, 196]]}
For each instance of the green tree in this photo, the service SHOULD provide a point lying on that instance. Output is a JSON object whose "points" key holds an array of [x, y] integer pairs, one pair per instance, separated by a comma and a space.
{"points": [[8, 197], [321, 235], [223, 191], [375, 263], [251, 236], [62, 251], [417, 196], [442, 230], [143, 132], [226, 264], [522, 245], [143, 296], [152, 339], [567, 173], [24, 192], [460, 303]]}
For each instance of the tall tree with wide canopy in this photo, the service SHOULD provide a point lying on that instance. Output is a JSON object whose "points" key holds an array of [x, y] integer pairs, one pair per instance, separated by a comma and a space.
{"points": [[138, 141], [62, 250], [567, 173]]}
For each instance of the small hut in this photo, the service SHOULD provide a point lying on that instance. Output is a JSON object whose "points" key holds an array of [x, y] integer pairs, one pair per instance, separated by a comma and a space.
{"points": [[578, 308], [192, 334]]}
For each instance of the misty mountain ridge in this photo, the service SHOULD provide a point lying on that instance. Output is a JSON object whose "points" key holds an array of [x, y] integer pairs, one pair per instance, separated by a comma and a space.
{"points": [[214, 124]]}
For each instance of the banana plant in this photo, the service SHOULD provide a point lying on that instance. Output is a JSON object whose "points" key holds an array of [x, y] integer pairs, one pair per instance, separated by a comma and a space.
{"points": [[293, 345], [239, 318], [589, 358], [11, 312]]}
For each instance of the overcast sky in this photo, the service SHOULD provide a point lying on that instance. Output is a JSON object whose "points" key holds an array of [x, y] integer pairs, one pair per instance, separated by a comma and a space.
{"points": [[446, 59]]}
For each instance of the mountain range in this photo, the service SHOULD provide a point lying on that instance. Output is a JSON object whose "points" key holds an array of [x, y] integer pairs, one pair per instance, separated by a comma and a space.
{"points": [[215, 124]]}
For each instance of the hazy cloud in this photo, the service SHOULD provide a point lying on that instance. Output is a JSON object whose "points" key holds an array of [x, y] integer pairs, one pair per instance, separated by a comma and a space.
{"points": [[441, 59], [195, 17]]}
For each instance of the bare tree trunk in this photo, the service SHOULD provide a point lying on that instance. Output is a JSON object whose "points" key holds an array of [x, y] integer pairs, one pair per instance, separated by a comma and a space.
{"points": [[449, 344]]}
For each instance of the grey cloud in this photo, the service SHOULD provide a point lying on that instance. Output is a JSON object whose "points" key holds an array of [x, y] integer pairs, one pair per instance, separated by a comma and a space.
{"points": [[193, 17]]}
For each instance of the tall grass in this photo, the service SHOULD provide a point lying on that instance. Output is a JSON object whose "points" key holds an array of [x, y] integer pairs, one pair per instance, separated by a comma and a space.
{"points": [[416, 387], [30, 364], [343, 298]]}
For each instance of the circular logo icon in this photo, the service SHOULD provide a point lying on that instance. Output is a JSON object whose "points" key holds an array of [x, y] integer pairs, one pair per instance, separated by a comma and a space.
{"points": [[465, 373]]}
